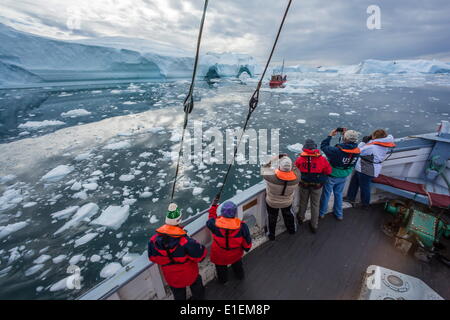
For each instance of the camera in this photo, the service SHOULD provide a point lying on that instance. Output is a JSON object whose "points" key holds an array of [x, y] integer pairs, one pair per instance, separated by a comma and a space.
{"points": [[340, 130], [366, 139]]}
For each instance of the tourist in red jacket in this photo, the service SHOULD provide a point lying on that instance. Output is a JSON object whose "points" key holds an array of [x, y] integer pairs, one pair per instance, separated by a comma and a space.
{"points": [[179, 255], [314, 170], [231, 237]]}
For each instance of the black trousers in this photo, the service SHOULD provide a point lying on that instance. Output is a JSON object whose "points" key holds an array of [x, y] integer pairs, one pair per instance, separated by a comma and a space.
{"points": [[288, 217], [197, 289], [222, 271]]}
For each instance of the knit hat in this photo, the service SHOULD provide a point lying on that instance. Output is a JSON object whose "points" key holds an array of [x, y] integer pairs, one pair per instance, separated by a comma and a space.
{"points": [[285, 164], [351, 136], [309, 144], [173, 216], [228, 210]]}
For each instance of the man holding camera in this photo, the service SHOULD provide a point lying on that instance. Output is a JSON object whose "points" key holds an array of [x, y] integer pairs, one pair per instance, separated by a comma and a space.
{"points": [[342, 158]]}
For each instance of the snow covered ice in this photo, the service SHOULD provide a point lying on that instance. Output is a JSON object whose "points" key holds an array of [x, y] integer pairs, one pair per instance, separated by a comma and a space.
{"points": [[113, 217]]}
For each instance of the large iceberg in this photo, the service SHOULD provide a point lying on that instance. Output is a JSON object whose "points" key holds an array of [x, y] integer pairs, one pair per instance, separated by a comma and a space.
{"points": [[403, 66], [28, 58], [372, 66]]}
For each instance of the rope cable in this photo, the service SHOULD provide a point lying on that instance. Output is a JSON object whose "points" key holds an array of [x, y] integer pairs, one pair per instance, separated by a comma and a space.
{"points": [[253, 103], [188, 104]]}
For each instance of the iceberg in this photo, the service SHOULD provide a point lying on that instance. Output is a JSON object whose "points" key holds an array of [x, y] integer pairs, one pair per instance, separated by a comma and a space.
{"points": [[82, 214], [403, 66], [57, 173], [113, 217], [10, 228], [28, 58]]}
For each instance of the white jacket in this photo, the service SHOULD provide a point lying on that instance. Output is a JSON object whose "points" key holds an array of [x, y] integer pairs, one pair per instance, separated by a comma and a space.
{"points": [[372, 156]]}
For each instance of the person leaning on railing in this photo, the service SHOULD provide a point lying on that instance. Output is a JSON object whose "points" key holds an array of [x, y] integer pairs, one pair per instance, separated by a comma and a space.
{"points": [[374, 150], [231, 237], [178, 255]]}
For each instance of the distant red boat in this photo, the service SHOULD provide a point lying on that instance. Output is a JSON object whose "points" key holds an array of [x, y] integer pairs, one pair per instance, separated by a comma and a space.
{"points": [[278, 80]]}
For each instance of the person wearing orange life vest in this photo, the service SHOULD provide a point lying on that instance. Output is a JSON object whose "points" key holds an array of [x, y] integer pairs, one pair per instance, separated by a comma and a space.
{"points": [[179, 255], [314, 170], [342, 158], [231, 237], [374, 149], [281, 185]]}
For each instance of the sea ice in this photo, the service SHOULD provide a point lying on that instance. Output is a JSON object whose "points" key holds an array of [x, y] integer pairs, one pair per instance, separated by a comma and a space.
{"points": [[40, 124], [11, 228], [85, 239], [113, 217], [118, 145], [110, 269], [301, 121], [57, 173], [126, 177], [295, 147], [82, 214], [75, 113], [197, 190], [64, 213]]}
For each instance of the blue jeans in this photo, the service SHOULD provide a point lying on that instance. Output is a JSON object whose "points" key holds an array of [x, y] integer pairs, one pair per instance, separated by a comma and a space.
{"points": [[363, 181], [335, 185]]}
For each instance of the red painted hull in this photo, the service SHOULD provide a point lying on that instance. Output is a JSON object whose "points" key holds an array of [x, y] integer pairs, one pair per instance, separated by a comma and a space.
{"points": [[277, 84]]}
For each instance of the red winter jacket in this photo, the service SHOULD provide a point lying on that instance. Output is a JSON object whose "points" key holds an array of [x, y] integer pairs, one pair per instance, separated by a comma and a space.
{"points": [[231, 237], [314, 168], [178, 254]]}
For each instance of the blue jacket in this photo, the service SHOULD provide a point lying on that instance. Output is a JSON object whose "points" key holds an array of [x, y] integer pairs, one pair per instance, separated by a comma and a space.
{"points": [[341, 162]]}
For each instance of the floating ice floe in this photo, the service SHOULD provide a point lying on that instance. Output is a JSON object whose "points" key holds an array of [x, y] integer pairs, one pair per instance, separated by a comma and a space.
{"points": [[301, 121], [145, 195], [60, 285], [83, 156], [110, 269], [90, 186], [95, 258], [118, 145], [295, 147], [57, 173], [7, 178], [29, 204], [40, 124], [76, 186], [34, 269], [333, 114], [82, 214], [85, 239], [10, 199], [197, 190], [113, 217], [43, 258], [59, 258], [126, 177], [129, 257], [75, 113], [153, 219], [11, 228]]}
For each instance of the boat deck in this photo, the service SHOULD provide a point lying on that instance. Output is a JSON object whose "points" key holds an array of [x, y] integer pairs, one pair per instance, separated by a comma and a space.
{"points": [[328, 265]]}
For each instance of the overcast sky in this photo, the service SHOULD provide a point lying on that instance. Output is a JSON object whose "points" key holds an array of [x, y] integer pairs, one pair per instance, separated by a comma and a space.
{"points": [[317, 32]]}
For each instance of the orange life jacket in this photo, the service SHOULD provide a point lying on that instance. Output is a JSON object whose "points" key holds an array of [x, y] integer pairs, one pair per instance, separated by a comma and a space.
{"points": [[228, 223], [174, 231], [383, 144], [285, 175]]}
